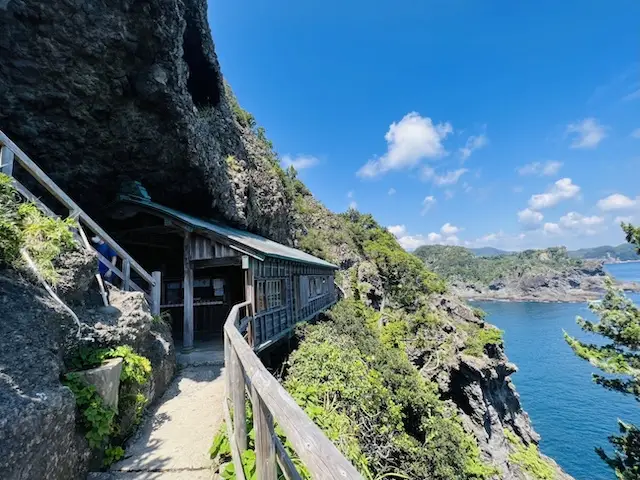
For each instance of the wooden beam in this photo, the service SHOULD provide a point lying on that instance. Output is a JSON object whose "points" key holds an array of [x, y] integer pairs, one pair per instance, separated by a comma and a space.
{"points": [[217, 262], [187, 338]]}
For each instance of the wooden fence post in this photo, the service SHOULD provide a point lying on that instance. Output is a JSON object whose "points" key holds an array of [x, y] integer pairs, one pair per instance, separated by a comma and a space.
{"points": [[126, 270], [6, 161], [187, 335], [266, 467], [239, 406], [156, 293]]}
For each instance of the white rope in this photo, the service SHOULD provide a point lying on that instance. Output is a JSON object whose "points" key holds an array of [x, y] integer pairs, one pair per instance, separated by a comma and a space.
{"points": [[44, 283]]}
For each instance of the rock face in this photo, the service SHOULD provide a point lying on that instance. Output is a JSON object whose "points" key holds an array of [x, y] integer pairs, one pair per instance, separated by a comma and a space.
{"points": [[482, 389], [40, 438], [100, 93]]}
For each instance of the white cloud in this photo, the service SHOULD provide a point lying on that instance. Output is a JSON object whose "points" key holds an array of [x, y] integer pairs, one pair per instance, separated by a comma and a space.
{"points": [[474, 142], [552, 229], [636, 133], [538, 168], [578, 223], [411, 242], [299, 162], [449, 194], [574, 224], [350, 194], [587, 133], [397, 230], [353, 205], [530, 218], [409, 141], [448, 229], [392, 191], [448, 178], [617, 201], [427, 203], [563, 189]]}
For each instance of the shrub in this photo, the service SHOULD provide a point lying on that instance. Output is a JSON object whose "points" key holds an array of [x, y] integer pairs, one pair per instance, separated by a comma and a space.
{"points": [[528, 457], [354, 379], [479, 338], [23, 225]]}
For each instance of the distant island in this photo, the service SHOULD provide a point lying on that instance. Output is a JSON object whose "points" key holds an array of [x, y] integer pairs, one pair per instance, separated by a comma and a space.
{"points": [[624, 252], [549, 275]]}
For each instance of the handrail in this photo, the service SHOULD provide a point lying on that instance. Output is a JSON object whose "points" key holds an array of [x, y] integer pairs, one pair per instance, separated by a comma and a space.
{"points": [[272, 404], [74, 210]]}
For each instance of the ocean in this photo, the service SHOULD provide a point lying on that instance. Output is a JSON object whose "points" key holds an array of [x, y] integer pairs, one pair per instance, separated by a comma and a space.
{"points": [[570, 412]]}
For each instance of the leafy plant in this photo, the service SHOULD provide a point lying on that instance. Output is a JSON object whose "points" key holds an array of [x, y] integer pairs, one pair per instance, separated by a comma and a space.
{"points": [[96, 417], [112, 455], [23, 225]]}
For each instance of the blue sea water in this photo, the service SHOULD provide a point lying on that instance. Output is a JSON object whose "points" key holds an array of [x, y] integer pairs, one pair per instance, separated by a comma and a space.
{"points": [[570, 412]]}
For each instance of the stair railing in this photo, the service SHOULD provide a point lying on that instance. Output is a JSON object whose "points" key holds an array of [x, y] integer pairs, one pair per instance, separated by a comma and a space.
{"points": [[10, 154]]}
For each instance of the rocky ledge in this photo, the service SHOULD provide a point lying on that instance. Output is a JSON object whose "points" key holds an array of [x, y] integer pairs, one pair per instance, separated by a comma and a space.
{"points": [[579, 284]]}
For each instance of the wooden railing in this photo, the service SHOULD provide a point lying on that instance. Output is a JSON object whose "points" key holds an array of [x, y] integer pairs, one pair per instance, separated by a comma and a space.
{"points": [[10, 153], [271, 405]]}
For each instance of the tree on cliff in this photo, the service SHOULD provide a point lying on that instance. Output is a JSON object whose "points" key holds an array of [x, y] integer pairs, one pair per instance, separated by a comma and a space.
{"points": [[619, 324]]}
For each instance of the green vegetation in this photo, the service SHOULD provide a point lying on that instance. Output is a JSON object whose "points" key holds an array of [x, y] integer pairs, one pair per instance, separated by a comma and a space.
{"points": [[101, 422], [97, 418], [623, 252], [22, 225], [220, 451], [619, 326], [460, 264], [528, 457], [354, 379], [479, 338], [405, 278]]}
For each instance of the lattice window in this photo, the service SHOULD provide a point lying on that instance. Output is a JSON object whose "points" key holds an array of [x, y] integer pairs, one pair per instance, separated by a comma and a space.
{"points": [[269, 294]]}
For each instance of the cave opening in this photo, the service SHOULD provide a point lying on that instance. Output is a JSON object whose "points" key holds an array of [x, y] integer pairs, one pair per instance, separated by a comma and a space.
{"points": [[203, 83]]}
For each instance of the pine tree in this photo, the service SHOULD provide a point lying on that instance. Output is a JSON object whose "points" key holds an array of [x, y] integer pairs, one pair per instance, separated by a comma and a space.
{"points": [[619, 325]]}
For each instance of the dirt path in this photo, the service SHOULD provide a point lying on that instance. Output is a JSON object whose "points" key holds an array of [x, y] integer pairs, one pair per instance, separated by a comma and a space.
{"points": [[173, 442]]}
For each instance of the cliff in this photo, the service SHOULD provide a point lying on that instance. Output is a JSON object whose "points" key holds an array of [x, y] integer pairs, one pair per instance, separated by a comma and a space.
{"points": [[551, 275], [103, 93]]}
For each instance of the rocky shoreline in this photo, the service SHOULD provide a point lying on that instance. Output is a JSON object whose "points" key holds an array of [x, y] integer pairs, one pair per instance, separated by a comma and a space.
{"points": [[588, 290]]}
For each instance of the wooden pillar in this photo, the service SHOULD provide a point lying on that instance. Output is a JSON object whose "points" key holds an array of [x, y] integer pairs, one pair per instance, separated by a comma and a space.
{"points": [[156, 293], [266, 467], [187, 338], [6, 161], [238, 402]]}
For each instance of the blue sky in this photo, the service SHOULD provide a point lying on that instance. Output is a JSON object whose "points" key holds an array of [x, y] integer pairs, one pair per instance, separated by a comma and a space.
{"points": [[509, 124]]}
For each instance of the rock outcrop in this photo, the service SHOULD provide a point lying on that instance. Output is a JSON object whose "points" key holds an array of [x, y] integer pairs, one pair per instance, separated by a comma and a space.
{"points": [[101, 93], [481, 388], [38, 416]]}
